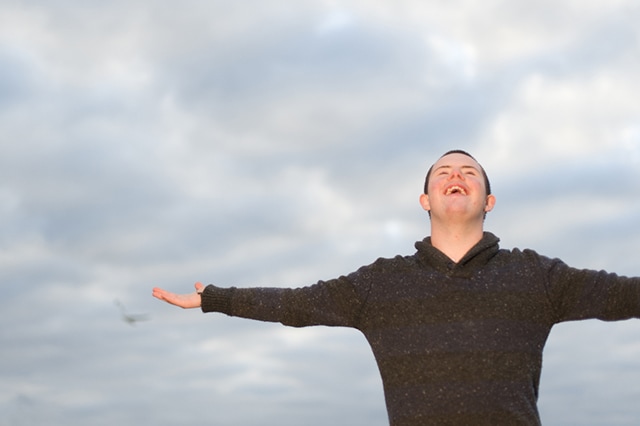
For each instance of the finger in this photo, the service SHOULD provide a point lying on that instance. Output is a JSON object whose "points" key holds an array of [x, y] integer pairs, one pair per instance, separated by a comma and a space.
{"points": [[158, 293], [167, 296], [199, 286]]}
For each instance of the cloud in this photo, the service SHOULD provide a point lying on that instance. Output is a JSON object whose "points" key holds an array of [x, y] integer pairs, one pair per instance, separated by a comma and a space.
{"points": [[279, 143]]}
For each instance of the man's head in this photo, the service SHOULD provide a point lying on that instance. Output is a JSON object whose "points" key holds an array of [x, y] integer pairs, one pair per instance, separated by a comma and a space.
{"points": [[487, 185], [457, 188]]}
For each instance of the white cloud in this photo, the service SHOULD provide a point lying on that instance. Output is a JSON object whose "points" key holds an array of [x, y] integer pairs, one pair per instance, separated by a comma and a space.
{"points": [[336, 21], [148, 144]]}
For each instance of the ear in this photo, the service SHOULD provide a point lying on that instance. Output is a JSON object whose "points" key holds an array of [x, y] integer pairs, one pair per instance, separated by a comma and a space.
{"points": [[424, 202], [490, 203]]}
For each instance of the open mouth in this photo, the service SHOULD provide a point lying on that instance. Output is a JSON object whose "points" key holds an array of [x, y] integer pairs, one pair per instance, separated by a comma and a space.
{"points": [[455, 189]]}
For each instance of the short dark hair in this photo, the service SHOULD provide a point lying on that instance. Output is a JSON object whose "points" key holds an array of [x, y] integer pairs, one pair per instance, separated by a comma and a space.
{"points": [[487, 185]]}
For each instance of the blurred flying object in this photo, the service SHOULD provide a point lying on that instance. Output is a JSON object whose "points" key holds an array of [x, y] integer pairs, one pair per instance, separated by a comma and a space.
{"points": [[130, 319]]}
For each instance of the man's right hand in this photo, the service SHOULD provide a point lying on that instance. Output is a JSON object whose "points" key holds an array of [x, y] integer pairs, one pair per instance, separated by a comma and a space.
{"points": [[185, 301]]}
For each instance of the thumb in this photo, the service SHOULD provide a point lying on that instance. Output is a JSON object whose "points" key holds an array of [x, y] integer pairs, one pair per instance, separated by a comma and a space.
{"points": [[199, 286]]}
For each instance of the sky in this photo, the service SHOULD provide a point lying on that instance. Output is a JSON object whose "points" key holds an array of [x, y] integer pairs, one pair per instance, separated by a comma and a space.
{"points": [[278, 143]]}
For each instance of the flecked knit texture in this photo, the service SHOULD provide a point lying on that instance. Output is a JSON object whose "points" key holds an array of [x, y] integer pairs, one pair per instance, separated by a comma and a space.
{"points": [[456, 343]]}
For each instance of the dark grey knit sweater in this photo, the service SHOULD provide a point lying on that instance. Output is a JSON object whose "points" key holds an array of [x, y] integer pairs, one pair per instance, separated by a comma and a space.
{"points": [[456, 343]]}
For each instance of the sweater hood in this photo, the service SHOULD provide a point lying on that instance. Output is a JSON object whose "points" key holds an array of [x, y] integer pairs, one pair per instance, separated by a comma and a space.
{"points": [[478, 256]]}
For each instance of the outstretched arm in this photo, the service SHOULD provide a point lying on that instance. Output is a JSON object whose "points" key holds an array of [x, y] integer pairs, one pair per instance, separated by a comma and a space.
{"points": [[185, 301], [337, 302]]}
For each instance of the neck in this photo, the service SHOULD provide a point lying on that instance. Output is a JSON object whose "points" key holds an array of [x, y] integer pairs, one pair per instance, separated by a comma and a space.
{"points": [[455, 241]]}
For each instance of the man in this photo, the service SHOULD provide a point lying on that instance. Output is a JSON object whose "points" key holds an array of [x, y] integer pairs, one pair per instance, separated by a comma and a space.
{"points": [[458, 328]]}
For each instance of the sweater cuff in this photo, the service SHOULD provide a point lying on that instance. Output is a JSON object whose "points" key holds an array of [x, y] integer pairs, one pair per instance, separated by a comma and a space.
{"points": [[216, 299]]}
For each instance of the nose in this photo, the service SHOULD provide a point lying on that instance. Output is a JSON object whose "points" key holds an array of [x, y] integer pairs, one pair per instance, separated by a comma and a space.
{"points": [[456, 173]]}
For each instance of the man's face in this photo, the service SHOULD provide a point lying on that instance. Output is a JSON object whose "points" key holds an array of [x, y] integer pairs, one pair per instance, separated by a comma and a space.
{"points": [[456, 186]]}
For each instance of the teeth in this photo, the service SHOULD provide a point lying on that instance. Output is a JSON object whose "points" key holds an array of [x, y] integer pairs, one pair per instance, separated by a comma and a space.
{"points": [[455, 188]]}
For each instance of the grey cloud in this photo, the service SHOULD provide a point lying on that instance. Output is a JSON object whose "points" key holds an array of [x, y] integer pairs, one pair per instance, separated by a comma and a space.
{"points": [[158, 145], [15, 81]]}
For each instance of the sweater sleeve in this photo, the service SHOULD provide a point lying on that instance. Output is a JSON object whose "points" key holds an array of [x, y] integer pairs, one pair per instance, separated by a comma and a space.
{"points": [[335, 302], [578, 294]]}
